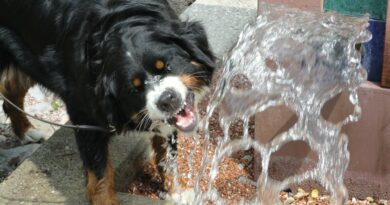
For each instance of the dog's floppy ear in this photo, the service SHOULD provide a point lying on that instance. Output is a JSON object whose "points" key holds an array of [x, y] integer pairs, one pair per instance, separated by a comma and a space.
{"points": [[194, 41]]}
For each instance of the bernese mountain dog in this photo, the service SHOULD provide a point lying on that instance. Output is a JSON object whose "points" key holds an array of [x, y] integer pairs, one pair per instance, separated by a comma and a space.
{"points": [[131, 65]]}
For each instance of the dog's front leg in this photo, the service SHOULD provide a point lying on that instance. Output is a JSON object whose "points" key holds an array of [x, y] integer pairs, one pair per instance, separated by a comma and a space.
{"points": [[93, 147]]}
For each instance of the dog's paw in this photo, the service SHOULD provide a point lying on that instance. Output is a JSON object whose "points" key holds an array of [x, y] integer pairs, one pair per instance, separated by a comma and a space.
{"points": [[33, 135]]}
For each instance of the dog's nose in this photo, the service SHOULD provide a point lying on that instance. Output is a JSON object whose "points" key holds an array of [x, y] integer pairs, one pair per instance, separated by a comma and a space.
{"points": [[169, 101]]}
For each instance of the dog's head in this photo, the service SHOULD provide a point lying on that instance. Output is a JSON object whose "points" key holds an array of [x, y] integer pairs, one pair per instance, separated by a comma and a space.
{"points": [[153, 73]]}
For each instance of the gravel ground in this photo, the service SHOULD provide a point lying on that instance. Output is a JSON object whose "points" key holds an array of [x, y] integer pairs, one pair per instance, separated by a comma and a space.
{"points": [[313, 197], [232, 180]]}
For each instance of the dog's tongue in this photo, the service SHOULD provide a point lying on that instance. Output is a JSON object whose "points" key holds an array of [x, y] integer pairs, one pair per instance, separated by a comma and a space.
{"points": [[186, 120]]}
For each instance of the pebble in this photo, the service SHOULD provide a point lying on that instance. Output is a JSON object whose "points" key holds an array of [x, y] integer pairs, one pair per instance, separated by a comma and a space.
{"points": [[311, 202], [300, 195], [325, 198], [370, 199], [243, 180], [241, 166], [247, 158], [383, 202], [314, 193], [289, 200]]}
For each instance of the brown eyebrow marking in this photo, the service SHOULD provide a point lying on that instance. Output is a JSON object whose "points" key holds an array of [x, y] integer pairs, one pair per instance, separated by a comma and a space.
{"points": [[159, 64], [191, 82], [137, 82]]}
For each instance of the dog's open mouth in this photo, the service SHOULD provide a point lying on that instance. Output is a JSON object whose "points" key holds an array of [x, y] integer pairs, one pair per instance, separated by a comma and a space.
{"points": [[186, 118]]}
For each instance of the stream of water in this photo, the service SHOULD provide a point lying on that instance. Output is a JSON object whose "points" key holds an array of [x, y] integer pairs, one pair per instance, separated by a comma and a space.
{"points": [[300, 60]]}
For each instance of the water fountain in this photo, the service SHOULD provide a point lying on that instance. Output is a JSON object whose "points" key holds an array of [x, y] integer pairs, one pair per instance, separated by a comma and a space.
{"points": [[296, 59]]}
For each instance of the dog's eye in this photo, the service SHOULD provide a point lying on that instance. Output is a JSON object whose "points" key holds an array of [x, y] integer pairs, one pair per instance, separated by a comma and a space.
{"points": [[159, 65], [137, 82]]}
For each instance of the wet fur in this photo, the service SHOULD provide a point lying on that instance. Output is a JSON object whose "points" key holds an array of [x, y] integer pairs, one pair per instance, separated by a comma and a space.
{"points": [[77, 49]]}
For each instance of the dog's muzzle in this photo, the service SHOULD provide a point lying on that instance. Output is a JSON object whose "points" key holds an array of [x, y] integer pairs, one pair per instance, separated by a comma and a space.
{"points": [[182, 113]]}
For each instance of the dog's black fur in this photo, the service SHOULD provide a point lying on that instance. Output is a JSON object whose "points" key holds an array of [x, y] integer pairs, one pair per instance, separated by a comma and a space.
{"points": [[78, 50]]}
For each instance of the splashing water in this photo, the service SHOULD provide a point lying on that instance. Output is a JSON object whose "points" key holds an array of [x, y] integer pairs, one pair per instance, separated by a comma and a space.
{"points": [[300, 60]]}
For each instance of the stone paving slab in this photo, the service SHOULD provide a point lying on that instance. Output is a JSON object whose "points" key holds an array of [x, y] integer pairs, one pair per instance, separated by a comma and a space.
{"points": [[223, 20], [53, 174]]}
